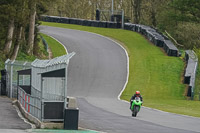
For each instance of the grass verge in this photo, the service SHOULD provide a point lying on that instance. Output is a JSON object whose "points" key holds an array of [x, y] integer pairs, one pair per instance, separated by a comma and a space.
{"points": [[56, 48], [156, 75]]}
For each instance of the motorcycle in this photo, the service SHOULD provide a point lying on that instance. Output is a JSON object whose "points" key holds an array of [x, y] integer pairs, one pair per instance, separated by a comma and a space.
{"points": [[136, 105]]}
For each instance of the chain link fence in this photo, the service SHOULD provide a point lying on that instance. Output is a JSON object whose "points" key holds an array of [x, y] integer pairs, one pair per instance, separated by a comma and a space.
{"points": [[11, 74]]}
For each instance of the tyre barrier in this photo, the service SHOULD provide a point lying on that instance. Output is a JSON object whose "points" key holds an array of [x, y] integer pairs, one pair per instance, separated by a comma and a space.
{"points": [[190, 71], [155, 37], [66, 20], [150, 33]]}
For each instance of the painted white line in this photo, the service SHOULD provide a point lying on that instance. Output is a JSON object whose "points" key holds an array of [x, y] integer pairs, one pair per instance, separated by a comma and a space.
{"points": [[60, 43], [21, 117], [127, 57]]}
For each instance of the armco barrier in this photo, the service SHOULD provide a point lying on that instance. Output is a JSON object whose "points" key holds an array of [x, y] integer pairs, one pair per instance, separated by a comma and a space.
{"points": [[190, 71]]}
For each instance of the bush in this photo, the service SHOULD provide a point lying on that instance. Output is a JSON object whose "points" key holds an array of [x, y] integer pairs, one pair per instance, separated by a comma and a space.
{"points": [[197, 84], [187, 34]]}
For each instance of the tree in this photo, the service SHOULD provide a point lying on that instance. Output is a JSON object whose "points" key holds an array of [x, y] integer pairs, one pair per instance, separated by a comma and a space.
{"points": [[34, 5], [136, 4], [31, 27], [20, 22], [9, 10], [186, 10], [9, 39], [151, 10]]}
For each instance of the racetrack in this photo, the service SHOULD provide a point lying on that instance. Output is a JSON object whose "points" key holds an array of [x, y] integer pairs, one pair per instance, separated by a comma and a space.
{"points": [[96, 76]]}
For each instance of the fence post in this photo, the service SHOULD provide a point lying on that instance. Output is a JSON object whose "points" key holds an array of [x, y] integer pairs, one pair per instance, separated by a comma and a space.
{"points": [[11, 78], [24, 67], [41, 100], [122, 19], [17, 85], [65, 88]]}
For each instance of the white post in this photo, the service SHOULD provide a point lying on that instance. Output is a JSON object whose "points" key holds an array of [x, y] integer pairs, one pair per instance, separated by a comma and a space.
{"points": [[6, 67], [24, 67], [11, 78], [112, 10], [65, 88], [122, 19], [6, 64], [112, 6]]}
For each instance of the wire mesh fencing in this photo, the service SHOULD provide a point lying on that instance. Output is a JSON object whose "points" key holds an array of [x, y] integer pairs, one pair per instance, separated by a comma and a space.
{"points": [[11, 82]]}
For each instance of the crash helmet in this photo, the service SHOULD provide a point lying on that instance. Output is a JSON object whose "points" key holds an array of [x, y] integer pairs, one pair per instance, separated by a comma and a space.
{"points": [[137, 92]]}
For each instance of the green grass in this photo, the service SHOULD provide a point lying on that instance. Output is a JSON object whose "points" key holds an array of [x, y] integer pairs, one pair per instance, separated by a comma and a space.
{"points": [[197, 84], [156, 75], [24, 57], [56, 48]]}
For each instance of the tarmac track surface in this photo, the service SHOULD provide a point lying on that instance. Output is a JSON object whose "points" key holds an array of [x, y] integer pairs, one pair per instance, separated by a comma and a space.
{"points": [[96, 76], [10, 122]]}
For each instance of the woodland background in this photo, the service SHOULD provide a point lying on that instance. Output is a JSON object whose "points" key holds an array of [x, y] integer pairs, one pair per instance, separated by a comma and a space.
{"points": [[19, 20]]}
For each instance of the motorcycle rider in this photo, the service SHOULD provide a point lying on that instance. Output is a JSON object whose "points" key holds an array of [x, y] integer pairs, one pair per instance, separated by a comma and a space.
{"points": [[137, 94]]}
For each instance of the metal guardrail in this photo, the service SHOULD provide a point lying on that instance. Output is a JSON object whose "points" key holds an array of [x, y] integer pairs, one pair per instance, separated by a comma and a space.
{"points": [[190, 71], [44, 42], [40, 108], [32, 104]]}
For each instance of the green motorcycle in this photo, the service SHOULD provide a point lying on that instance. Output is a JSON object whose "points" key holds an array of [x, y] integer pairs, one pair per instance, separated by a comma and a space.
{"points": [[136, 105]]}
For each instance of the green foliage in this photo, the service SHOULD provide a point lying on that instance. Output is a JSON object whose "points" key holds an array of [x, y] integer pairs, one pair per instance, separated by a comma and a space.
{"points": [[181, 19], [39, 48], [24, 57], [188, 34], [197, 51], [197, 84], [186, 10]]}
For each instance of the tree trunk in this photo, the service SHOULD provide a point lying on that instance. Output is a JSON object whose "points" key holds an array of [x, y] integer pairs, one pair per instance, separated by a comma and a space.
{"points": [[17, 44], [8, 43], [153, 18], [93, 10], [31, 28], [136, 4]]}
